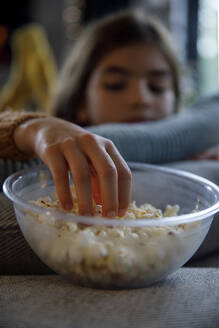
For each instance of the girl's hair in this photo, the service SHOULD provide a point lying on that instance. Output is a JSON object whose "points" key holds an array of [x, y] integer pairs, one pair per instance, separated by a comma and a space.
{"points": [[96, 41]]}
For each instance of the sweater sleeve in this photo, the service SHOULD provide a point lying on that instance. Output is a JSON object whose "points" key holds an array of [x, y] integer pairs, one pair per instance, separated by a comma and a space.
{"points": [[9, 121], [172, 139]]}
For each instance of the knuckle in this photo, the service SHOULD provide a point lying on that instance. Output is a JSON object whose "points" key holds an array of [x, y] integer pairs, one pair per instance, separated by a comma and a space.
{"points": [[88, 138], [109, 144], [49, 152], [125, 174], [67, 143], [109, 171]]}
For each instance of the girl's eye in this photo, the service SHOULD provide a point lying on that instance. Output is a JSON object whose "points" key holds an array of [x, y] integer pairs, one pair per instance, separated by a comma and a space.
{"points": [[157, 89], [114, 86]]}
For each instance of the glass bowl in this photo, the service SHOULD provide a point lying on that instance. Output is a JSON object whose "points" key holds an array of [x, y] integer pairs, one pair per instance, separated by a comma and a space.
{"points": [[117, 253]]}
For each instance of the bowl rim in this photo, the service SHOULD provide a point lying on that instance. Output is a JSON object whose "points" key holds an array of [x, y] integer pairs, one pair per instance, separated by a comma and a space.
{"points": [[173, 220]]}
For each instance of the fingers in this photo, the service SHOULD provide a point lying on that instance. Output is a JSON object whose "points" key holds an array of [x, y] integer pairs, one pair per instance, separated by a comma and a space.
{"points": [[108, 182], [106, 171], [124, 178], [97, 169], [59, 170], [95, 185], [211, 154], [113, 174], [59, 159], [79, 167]]}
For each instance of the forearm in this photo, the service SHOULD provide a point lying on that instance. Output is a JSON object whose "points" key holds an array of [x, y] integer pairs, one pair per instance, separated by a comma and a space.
{"points": [[172, 139]]}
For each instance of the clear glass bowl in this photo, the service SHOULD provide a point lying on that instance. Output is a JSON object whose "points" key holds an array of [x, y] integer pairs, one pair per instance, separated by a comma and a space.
{"points": [[115, 253]]}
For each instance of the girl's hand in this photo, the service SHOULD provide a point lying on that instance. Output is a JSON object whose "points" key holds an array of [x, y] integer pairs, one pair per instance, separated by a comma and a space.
{"points": [[211, 153], [96, 166]]}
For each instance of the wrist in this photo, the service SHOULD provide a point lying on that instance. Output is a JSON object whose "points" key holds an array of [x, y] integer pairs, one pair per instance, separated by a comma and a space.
{"points": [[25, 133]]}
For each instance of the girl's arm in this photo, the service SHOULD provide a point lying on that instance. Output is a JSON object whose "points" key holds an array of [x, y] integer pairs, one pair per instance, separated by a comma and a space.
{"points": [[94, 162], [172, 139]]}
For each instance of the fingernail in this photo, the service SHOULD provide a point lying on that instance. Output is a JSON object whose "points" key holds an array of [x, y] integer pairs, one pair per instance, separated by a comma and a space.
{"points": [[122, 212], [111, 214], [68, 206]]}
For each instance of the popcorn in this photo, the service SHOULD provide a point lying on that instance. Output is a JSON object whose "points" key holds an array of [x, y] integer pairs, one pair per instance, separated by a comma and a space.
{"points": [[100, 253]]}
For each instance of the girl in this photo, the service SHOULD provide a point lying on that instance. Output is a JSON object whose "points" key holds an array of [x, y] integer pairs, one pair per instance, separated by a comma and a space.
{"points": [[129, 77]]}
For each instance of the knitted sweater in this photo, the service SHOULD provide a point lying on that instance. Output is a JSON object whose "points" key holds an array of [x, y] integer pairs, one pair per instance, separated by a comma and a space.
{"points": [[168, 140], [11, 158]]}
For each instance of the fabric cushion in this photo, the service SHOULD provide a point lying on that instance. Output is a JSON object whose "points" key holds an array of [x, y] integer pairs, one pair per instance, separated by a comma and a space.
{"points": [[187, 299]]}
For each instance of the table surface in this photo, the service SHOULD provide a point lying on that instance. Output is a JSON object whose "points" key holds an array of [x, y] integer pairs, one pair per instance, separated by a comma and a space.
{"points": [[188, 298]]}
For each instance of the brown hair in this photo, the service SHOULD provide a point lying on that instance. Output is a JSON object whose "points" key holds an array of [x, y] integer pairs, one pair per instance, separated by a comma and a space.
{"points": [[95, 42]]}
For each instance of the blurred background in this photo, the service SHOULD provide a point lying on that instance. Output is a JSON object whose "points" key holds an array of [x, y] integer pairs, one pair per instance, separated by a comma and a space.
{"points": [[193, 24]]}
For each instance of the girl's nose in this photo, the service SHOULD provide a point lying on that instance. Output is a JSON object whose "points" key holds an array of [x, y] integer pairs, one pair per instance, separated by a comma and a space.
{"points": [[140, 93]]}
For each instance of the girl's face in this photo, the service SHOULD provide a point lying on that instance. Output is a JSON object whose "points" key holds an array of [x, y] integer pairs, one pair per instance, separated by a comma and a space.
{"points": [[130, 84]]}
